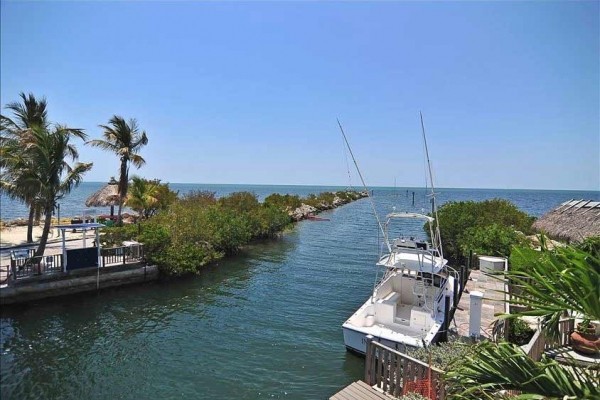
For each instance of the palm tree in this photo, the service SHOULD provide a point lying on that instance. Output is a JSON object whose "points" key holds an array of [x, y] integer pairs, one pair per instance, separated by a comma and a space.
{"points": [[143, 196], [47, 152], [125, 140], [29, 114]]}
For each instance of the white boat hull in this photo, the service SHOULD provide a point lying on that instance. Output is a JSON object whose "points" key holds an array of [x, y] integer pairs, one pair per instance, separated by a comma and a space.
{"points": [[389, 328], [356, 341]]}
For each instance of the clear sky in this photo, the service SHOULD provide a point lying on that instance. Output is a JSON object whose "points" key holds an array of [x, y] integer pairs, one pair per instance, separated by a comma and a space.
{"points": [[249, 92]]}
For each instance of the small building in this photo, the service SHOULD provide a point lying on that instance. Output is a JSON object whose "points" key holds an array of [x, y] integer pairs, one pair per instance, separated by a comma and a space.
{"points": [[572, 221]]}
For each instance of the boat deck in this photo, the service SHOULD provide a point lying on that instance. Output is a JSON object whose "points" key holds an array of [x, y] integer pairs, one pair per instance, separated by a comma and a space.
{"points": [[360, 391]]}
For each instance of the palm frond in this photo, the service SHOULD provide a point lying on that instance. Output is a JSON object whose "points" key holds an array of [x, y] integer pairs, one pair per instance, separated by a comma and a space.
{"points": [[497, 367]]}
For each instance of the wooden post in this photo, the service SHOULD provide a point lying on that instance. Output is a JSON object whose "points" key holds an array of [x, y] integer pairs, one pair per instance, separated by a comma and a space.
{"points": [[64, 250], [469, 259], [369, 355], [444, 337], [456, 289]]}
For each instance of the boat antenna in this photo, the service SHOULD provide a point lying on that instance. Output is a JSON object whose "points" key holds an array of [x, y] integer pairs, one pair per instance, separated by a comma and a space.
{"points": [[436, 237], [366, 189]]}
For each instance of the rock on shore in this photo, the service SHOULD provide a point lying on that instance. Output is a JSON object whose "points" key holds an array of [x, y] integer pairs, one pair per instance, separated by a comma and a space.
{"points": [[305, 210]]}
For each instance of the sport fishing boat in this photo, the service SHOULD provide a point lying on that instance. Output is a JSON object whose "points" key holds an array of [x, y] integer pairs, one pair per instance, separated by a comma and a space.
{"points": [[408, 304], [414, 288]]}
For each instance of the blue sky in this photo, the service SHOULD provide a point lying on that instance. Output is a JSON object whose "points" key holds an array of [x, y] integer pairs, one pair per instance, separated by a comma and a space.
{"points": [[249, 92]]}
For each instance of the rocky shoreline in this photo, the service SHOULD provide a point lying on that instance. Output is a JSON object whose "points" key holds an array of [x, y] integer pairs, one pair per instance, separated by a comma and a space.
{"points": [[305, 210]]}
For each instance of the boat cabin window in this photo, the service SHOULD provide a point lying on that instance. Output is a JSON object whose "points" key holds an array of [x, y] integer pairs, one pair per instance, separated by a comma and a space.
{"points": [[421, 245], [437, 280]]}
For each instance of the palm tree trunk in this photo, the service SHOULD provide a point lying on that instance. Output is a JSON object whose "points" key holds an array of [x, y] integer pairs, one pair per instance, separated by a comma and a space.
{"points": [[122, 188], [30, 224], [44, 239]]}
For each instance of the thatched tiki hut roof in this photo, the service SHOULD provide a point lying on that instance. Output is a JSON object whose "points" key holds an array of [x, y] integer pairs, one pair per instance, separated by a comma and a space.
{"points": [[106, 196], [573, 221]]}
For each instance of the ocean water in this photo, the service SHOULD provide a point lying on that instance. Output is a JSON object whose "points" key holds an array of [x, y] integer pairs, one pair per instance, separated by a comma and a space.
{"points": [[534, 202], [265, 324]]}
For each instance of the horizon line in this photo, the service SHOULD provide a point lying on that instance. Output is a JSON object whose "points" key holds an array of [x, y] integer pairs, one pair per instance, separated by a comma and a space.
{"points": [[369, 187]]}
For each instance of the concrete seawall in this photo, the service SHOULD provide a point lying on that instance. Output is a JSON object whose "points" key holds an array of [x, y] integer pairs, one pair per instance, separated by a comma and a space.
{"points": [[40, 287]]}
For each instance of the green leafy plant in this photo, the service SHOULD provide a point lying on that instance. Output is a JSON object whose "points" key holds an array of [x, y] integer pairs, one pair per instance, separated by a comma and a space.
{"points": [[492, 368], [563, 280], [443, 355], [484, 224], [590, 245], [519, 332]]}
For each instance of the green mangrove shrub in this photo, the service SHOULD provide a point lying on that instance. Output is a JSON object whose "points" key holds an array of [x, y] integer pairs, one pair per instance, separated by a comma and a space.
{"points": [[487, 226], [200, 229]]}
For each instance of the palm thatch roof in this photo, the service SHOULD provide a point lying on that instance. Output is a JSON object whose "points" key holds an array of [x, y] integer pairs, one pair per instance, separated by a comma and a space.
{"points": [[107, 196], [573, 221]]}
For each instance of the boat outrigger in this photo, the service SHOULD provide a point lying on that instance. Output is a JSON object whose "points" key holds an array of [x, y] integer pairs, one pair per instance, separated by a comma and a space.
{"points": [[411, 300]]}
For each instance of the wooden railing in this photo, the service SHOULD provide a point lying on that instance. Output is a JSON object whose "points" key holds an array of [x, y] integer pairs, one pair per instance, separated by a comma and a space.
{"points": [[122, 255], [535, 348], [396, 373], [30, 266], [565, 328], [540, 343]]}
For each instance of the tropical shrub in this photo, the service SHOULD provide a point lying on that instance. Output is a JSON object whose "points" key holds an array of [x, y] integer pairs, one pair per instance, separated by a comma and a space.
{"points": [[286, 202], [198, 228], [114, 236], [443, 355], [468, 223], [199, 198], [519, 332], [492, 368], [521, 259], [552, 283], [590, 245], [494, 239]]}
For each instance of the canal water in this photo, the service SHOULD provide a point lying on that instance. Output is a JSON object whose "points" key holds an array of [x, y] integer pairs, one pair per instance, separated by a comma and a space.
{"points": [[265, 324]]}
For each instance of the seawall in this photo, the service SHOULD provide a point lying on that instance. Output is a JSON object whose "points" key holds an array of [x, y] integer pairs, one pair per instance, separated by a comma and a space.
{"points": [[84, 280]]}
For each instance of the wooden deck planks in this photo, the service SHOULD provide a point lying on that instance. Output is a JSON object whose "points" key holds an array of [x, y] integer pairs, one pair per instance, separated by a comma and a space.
{"points": [[359, 391]]}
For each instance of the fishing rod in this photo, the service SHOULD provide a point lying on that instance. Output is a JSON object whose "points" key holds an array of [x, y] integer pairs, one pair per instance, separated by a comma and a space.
{"points": [[383, 231]]}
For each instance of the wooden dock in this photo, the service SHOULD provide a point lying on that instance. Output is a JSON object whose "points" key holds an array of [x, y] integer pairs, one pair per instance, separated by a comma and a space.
{"points": [[360, 391], [493, 303]]}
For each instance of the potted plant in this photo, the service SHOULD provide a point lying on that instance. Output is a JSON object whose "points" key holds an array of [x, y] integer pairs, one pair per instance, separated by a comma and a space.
{"points": [[584, 339]]}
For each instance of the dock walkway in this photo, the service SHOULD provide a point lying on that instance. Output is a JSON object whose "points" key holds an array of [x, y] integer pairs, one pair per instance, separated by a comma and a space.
{"points": [[493, 303], [360, 391]]}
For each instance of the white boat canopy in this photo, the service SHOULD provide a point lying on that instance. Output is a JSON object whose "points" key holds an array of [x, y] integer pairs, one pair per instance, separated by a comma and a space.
{"points": [[410, 215]]}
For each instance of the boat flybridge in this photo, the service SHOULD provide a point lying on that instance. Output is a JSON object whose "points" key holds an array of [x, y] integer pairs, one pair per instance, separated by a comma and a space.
{"points": [[407, 307]]}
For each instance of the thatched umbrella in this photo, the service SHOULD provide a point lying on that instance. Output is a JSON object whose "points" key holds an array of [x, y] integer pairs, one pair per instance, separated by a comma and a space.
{"points": [[573, 221], [107, 196]]}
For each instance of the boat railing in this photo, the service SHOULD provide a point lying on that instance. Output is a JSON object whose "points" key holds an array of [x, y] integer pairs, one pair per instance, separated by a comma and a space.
{"points": [[396, 373]]}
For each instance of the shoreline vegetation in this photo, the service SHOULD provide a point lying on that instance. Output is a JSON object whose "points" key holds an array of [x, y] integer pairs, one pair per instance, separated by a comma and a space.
{"points": [[198, 228]]}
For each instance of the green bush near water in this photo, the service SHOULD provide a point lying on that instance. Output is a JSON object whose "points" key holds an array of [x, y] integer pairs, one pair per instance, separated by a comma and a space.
{"points": [[200, 228], [489, 227]]}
